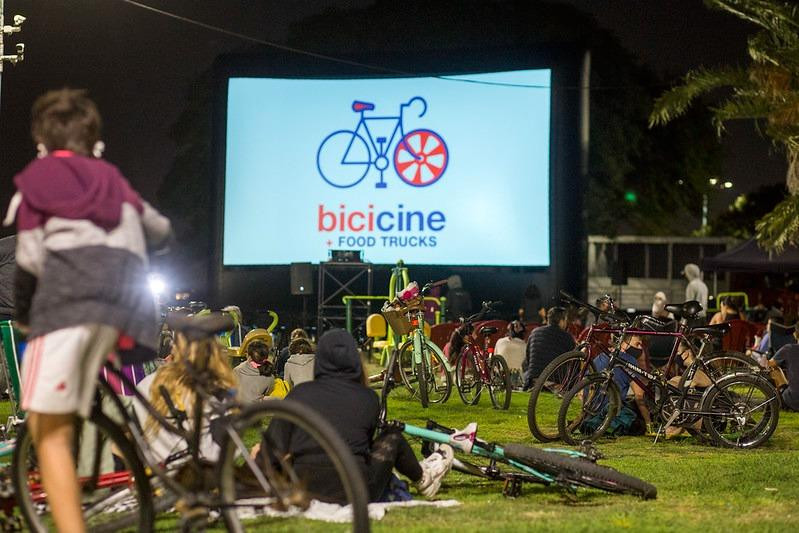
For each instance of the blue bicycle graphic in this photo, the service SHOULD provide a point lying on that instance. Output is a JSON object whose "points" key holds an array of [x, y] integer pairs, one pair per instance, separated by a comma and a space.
{"points": [[345, 156]]}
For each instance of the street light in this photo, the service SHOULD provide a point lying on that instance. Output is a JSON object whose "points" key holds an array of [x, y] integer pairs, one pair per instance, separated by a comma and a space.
{"points": [[717, 184]]}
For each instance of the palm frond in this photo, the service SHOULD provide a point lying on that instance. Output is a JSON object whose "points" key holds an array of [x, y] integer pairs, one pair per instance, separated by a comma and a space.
{"points": [[771, 15], [780, 228], [740, 107], [674, 102]]}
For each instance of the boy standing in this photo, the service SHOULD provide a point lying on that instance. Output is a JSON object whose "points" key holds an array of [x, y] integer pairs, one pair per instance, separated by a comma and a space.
{"points": [[82, 240]]}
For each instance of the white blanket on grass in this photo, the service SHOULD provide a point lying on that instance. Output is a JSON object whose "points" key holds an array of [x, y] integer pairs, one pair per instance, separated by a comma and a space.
{"points": [[329, 512]]}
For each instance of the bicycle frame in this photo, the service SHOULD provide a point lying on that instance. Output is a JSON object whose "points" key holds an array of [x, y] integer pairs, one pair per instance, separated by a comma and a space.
{"points": [[419, 339], [489, 450]]}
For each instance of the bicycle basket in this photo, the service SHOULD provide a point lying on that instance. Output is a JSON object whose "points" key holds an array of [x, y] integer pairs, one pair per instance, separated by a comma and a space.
{"points": [[398, 320], [396, 314]]}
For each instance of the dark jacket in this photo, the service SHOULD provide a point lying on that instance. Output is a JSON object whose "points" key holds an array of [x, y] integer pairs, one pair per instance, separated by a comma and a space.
{"points": [[338, 394], [543, 346], [8, 265], [788, 358]]}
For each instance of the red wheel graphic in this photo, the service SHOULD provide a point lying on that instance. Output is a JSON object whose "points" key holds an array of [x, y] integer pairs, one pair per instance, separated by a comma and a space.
{"points": [[421, 158]]}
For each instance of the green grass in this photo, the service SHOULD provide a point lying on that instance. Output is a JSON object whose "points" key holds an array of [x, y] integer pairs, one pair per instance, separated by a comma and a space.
{"points": [[700, 488]]}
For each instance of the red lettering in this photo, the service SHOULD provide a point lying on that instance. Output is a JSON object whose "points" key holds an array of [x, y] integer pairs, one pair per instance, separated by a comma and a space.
{"points": [[352, 225], [324, 217], [371, 218]]}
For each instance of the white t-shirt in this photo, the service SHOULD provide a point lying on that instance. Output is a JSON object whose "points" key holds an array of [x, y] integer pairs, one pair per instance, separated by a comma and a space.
{"points": [[165, 443], [512, 350]]}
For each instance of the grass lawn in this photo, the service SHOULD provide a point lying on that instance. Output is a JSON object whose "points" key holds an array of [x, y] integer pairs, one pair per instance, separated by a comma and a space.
{"points": [[700, 488]]}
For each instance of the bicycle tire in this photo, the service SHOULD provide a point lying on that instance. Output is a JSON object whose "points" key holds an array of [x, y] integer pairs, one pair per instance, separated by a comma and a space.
{"points": [[718, 399], [502, 382], [580, 471], [348, 181], [442, 389], [535, 413], [421, 380], [466, 360], [603, 401], [305, 419], [142, 516], [722, 363]]}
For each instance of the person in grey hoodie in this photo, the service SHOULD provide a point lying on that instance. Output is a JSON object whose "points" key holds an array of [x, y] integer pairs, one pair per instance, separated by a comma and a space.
{"points": [[696, 289], [299, 367], [255, 375]]}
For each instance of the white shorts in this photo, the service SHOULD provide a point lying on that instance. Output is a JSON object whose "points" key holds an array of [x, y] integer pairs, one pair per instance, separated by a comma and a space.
{"points": [[60, 369]]}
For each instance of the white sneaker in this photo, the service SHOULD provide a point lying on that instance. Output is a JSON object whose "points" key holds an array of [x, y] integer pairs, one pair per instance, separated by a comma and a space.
{"points": [[434, 468]]}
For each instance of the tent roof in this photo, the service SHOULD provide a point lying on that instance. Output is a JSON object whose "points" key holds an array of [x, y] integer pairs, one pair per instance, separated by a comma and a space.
{"points": [[749, 257]]}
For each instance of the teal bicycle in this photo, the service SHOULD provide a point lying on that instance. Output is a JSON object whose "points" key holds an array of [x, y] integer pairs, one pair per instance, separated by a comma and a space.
{"points": [[565, 469], [420, 364]]}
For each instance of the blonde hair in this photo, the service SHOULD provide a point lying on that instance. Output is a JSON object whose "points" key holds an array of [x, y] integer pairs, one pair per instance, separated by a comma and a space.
{"points": [[173, 376]]}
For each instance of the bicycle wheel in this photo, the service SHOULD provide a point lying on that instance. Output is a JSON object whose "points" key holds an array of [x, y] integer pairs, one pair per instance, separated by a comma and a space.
{"points": [[422, 375], [343, 159], [546, 396], [580, 471], [421, 157], [745, 411], [720, 364], [588, 408], [252, 478], [467, 377], [115, 491], [436, 376], [499, 385]]}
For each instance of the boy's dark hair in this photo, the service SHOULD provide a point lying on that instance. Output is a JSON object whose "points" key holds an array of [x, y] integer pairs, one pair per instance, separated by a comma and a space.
{"points": [[258, 351], [66, 119], [555, 315], [300, 346]]}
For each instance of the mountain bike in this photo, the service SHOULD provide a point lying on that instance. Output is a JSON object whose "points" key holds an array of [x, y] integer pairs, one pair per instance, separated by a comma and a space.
{"points": [[739, 409], [124, 485], [566, 370], [421, 365], [565, 469], [477, 367], [345, 156]]}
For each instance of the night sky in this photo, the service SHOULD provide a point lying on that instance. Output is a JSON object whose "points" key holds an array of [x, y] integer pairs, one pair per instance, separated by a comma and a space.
{"points": [[139, 65]]}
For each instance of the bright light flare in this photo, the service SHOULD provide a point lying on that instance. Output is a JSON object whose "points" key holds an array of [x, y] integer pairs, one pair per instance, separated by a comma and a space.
{"points": [[157, 284]]}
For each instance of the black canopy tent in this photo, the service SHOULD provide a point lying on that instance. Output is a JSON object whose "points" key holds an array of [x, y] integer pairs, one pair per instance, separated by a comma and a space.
{"points": [[749, 257]]}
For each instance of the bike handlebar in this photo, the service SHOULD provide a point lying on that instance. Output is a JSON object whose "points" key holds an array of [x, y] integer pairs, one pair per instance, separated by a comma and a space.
{"points": [[598, 313], [414, 99]]}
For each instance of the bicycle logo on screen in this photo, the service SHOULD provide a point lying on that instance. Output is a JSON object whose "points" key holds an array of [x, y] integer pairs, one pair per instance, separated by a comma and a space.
{"points": [[345, 156]]}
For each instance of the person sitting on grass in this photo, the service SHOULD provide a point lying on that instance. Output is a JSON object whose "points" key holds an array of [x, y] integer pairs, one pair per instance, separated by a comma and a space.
{"points": [[299, 367], [545, 344], [173, 380], [283, 356], [632, 351], [339, 394], [255, 375]]}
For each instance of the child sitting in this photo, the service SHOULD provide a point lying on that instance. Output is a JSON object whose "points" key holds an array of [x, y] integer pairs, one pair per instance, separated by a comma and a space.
{"points": [[299, 367], [255, 375]]}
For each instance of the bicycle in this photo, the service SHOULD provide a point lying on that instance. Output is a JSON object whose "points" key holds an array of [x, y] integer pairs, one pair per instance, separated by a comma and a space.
{"points": [[478, 367], [420, 156], [123, 484], [565, 469], [422, 366], [566, 370], [589, 407]]}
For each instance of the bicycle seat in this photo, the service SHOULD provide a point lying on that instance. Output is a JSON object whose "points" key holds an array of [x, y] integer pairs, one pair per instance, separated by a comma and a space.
{"points": [[359, 106], [196, 328], [488, 330], [686, 310], [717, 330]]}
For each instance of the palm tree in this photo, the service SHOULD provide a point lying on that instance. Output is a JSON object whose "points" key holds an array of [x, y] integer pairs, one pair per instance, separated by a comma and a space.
{"points": [[766, 90]]}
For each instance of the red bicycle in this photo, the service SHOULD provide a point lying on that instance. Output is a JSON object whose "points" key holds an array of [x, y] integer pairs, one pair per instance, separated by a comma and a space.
{"points": [[478, 367]]}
